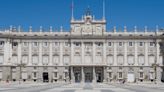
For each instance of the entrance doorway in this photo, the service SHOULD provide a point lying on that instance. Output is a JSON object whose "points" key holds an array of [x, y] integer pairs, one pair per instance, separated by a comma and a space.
{"points": [[99, 74], [131, 77], [88, 77], [77, 77], [99, 77], [45, 77]]}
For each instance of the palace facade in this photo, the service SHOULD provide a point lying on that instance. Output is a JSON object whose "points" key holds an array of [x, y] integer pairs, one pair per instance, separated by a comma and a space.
{"points": [[87, 53]]}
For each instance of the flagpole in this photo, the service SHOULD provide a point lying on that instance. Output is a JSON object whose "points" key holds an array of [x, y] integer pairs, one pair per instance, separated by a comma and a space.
{"points": [[103, 9], [72, 7]]}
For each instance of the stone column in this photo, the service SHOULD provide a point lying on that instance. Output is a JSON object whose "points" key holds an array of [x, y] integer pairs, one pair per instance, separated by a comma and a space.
{"points": [[82, 53], [94, 75], [82, 75], [105, 75], [72, 76]]}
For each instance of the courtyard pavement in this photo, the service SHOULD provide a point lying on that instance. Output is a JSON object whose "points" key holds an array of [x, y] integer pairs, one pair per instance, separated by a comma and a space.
{"points": [[80, 87]]}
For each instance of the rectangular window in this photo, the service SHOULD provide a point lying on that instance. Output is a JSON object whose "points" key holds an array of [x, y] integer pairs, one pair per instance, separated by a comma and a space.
{"points": [[35, 44], [15, 44], [110, 75], [66, 74], [55, 74], [1, 43], [109, 44], [151, 43], [45, 44], [120, 75], [87, 45], [56, 44], [25, 44], [120, 43], [77, 44], [130, 43], [141, 75], [99, 44], [67, 44], [141, 44], [34, 74]]}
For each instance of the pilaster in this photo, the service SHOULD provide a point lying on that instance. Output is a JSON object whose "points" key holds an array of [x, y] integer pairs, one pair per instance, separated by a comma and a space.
{"points": [[146, 53], [19, 52], [115, 53], [136, 53], [94, 75], [50, 53], [125, 53], [104, 53], [82, 53], [82, 74], [40, 53], [61, 53], [30, 54], [93, 54], [72, 52]]}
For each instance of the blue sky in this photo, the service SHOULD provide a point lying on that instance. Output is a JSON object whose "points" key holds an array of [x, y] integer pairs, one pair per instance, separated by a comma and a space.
{"points": [[57, 13]]}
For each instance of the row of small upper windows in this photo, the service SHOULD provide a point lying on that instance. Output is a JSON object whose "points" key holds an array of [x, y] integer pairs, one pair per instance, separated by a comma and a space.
{"points": [[35, 44], [98, 44], [132, 44]]}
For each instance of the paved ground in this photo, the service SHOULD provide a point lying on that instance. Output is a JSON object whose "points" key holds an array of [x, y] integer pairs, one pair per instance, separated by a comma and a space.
{"points": [[78, 87]]}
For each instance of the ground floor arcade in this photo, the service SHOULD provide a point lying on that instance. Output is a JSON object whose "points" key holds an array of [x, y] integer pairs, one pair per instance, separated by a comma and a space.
{"points": [[78, 74]]}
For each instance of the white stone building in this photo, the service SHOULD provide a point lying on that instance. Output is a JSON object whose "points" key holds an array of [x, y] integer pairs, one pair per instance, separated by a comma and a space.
{"points": [[87, 53]]}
